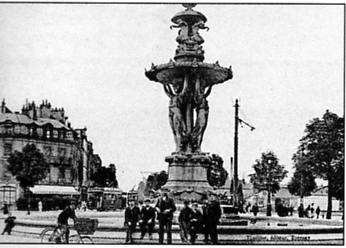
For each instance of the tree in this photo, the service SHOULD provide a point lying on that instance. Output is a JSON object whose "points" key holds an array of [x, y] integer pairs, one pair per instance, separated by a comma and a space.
{"points": [[303, 181], [29, 167], [104, 177], [268, 175], [155, 181], [323, 146]]}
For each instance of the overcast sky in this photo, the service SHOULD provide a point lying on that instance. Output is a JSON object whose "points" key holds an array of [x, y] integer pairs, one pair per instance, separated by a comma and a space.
{"points": [[287, 62]]}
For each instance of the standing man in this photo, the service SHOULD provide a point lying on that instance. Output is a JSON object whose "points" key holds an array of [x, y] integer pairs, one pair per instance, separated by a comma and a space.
{"points": [[318, 210], [147, 219], [301, 211], [5, 208], [255, 209], [213, 217], [205, 220], [40, 206], [165, 208], [312, 210], [184, 221], [195, 222], [131, 219]]}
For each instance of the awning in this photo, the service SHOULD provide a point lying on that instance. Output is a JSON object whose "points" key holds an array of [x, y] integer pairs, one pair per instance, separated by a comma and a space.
{"points": [[54, 190]]}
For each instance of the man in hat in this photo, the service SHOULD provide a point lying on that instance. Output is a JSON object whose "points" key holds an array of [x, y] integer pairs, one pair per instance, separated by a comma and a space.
{"points": [[131, 218], [184, 221], [147, 219], [9, 224], [67, 213], [165, 207], [195, 222], [213, 216]]}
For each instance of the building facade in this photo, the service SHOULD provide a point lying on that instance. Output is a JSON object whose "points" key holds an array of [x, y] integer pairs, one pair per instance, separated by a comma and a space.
{"points": [[67, 150]]}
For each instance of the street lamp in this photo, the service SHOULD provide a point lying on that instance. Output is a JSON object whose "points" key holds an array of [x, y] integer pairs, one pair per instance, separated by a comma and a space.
{"points": [[269, 184]]}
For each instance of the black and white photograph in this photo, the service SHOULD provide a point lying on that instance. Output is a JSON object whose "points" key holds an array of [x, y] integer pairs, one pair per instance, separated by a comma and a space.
{"points": [[172, 123]]}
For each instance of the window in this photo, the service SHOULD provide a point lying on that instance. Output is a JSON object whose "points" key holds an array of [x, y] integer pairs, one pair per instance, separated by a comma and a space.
{"points": [[55, 133], [8, 129], [17, 129], [47, 151], [62, 152], [39, 131], [7, 149], [8, 194], [62, 173], [24, 130]]}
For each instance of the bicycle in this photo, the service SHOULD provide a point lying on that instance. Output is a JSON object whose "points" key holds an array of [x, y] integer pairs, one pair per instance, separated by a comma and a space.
{"points": [[83, 226]]}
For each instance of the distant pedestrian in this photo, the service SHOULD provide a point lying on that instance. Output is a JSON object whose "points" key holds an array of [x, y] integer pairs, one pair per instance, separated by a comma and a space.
{"points": [[5, 208], [318, 210], [301, 211], [195, 222], [131, 219], [247, 207], [9, 224], [40, 206], [213, 217], [84, 206], [184, 221], [147, 219], [312, 209], [308, 212], [165, 208], [255, 209]]}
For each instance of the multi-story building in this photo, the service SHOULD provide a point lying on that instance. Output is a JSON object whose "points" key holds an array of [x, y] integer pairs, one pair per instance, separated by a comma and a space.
{"points": [[68, 151]]}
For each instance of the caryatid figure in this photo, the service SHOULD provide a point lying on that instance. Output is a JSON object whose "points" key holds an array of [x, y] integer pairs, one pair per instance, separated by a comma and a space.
{"points": [[202, 111], [177, 113]]}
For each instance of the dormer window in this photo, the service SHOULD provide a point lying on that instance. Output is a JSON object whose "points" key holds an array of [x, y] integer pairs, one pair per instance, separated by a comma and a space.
{"points": [[8, 128], [7, 149]]}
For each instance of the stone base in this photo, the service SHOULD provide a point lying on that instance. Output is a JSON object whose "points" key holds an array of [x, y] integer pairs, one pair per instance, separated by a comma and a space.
{"points": [[187, 176]]}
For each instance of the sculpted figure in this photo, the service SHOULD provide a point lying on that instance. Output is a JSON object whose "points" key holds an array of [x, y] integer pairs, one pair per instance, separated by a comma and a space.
{"points": [[202, 110], [183, 33], [176, 112], [195, 35]]}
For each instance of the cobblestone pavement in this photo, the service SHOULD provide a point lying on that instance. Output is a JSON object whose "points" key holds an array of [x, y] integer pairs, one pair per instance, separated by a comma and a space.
{"points": [[28, 235]]}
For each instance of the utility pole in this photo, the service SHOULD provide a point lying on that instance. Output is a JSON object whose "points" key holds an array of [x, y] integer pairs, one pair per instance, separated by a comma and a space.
{"points": [[235, 178]]}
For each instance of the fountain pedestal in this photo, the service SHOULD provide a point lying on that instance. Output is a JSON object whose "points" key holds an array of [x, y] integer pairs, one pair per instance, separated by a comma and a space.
{"points": [[187, 176]]}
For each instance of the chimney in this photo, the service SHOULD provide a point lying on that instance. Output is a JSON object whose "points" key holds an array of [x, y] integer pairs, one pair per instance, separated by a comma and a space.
{"points": [[3, 106]]}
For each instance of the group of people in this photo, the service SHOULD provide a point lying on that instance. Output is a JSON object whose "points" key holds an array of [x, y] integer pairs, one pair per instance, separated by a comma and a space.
{"points": [[191, 219], [309, 212]]}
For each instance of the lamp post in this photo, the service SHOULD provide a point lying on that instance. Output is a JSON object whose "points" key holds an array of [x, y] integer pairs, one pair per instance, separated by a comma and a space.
{"points": [[269, 184]]}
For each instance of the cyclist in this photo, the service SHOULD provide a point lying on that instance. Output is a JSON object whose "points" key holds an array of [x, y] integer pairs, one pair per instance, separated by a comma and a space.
{"points": [[63, 217]]}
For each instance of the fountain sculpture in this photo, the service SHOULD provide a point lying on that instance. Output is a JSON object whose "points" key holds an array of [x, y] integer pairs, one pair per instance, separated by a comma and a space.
{"points": [[188, 81]]}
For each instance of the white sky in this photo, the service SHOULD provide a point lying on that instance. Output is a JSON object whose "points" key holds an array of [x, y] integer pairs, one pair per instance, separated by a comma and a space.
{"points": [[287, 62]]}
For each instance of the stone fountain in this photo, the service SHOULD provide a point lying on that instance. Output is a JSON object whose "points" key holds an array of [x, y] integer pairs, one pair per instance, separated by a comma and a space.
{"points": [[188, 81]]}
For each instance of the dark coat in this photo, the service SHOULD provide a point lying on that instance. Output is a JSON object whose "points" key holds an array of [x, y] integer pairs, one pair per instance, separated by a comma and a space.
{"points": [[196, 220], [147, 214], [132, 215], [5, 209], [164, 205], [213, 212], [255, 209], [64, 215], [185, 214]]}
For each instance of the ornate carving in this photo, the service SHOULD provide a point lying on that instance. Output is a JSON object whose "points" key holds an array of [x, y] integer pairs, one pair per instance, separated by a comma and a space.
{"points": [[176, 112], [202, 113]]}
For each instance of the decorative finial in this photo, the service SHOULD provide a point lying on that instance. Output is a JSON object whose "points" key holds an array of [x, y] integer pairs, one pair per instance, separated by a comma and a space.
{"points": [[189, 6]]}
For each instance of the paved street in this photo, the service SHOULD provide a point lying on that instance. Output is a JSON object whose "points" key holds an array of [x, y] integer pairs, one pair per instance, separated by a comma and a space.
{"points": [[14, 238], [26, 234]]}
